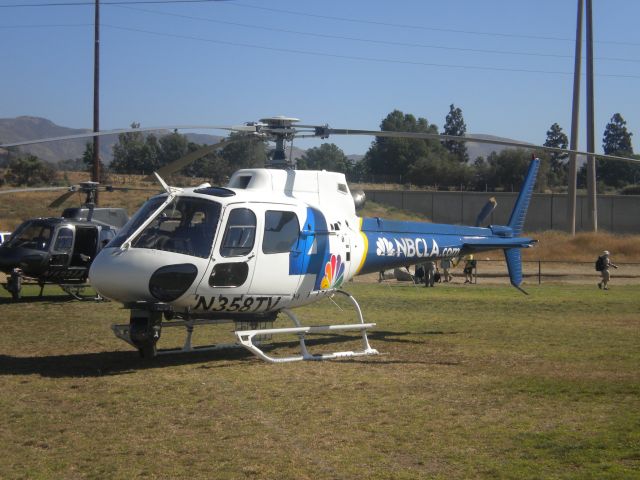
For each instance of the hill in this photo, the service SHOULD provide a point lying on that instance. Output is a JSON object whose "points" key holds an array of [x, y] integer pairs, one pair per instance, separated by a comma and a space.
{"points": [[29, 128]]}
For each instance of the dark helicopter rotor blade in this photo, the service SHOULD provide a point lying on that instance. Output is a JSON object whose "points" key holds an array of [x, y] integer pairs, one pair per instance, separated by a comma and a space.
{"points": [[188, 159], [61, 199], [33, 189]]}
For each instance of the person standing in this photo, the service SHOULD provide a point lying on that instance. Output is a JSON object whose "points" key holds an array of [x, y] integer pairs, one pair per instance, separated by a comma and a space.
{"points": [[469, 265], [445, 264], [604, 263], [429, 273]]}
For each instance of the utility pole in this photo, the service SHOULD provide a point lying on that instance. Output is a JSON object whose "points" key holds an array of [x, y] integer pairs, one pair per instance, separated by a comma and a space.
{"points": [[591, 159], [575, 110], [95, 175]]}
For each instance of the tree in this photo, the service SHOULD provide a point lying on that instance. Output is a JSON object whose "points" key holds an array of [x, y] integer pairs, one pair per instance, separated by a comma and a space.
{"points": [[172, 147], [87, 160], [502, 171], [617, 141], [327, 156], [395, 156], [557, 166], [454, 125], [30, 171], [136, 153]]}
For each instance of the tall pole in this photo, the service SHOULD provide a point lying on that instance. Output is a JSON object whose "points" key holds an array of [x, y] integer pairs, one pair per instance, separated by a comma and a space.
{"points": [[591, 160], [575, 110], [95, 175]]}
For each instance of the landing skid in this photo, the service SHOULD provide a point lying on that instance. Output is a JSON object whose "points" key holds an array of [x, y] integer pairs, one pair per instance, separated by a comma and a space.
{"points": [[76, 291], [146, 324], [122, 331], [246, 338]]}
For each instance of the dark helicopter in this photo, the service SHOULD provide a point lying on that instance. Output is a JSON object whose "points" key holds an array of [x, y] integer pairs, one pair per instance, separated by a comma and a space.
{"points": [[59, 250]]}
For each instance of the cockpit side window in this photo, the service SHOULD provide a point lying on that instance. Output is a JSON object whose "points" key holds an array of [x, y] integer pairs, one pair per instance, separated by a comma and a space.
{"points": [[281, 230], [137, 220], [32, 235], [64, 240], [240, 234], [187, 225]]}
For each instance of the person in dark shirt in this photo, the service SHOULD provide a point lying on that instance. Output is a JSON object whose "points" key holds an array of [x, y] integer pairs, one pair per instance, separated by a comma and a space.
{"points": [[606, 264]]}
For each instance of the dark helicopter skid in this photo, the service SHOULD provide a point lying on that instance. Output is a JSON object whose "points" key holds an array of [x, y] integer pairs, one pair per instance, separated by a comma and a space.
{"points": [[72, 281]]}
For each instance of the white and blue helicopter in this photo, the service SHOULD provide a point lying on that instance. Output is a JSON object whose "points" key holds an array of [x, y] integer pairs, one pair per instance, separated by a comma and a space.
{"points": [[271, 240]]}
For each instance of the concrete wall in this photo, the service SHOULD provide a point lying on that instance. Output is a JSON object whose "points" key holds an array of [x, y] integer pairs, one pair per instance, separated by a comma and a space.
{"points": [[616, 213]]}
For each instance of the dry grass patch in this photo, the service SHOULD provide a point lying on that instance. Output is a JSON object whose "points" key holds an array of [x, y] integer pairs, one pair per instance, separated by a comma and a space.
{"points": [[481, 382]]}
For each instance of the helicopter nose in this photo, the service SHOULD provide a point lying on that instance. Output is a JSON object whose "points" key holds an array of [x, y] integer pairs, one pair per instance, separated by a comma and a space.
{"points": [[140, 275]]}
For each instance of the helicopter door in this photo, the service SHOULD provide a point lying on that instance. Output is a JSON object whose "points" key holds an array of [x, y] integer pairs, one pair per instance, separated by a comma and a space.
{"points": [[272, 272], [232, 267], [62, 248], [85, 247]]}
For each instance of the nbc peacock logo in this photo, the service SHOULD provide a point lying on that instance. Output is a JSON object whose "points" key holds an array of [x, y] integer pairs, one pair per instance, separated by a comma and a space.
{"points": [[384, 248], [333, 273]]}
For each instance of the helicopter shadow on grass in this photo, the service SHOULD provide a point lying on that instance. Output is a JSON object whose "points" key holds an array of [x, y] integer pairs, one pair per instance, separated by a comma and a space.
{"points": [[125, 362], [110, 363], [62, 298]]}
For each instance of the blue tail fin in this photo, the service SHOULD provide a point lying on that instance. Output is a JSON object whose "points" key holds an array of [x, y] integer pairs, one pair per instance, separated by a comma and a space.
{"points": [[516, 223]]}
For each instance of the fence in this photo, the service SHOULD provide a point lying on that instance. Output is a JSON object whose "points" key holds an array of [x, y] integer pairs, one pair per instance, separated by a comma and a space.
{"points": [[546, 271], [548, 211]]}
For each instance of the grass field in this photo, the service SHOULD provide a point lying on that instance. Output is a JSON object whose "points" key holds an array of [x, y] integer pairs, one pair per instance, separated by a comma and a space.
{"points": [[476, 382]]}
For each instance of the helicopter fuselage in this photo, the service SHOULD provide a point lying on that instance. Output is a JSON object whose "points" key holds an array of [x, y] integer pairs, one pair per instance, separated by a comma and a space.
{"points": [[272, 239]]}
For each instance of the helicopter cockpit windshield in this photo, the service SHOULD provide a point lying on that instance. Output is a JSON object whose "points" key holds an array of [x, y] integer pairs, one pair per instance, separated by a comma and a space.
{"points": [[32, 235], [186, 225]]}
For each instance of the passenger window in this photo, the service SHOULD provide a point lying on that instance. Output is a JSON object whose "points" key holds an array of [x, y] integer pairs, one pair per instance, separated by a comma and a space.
{"points": [[64, 241], [240, 233], [281, 231], [229, 274]]}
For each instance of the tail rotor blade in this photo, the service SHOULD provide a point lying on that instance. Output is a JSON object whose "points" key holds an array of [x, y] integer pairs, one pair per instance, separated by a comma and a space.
{"points": [[486, 211]]}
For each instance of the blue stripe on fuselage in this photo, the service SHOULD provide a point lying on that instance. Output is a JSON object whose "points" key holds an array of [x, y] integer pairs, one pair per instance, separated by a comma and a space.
{"points": [[396, 243], [307, 258]]}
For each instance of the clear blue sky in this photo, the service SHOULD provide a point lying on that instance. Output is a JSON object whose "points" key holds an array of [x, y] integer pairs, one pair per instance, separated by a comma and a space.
{"points": [[507, 64]]}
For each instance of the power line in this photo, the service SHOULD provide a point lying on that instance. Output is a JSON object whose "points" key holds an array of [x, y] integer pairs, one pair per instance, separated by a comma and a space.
{"points": [[49, 25], [113, 2], [359, 58], [312, 15], [419, 27], [368, 40]]}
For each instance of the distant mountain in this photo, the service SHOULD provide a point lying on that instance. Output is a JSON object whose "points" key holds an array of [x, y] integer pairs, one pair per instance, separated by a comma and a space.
{"points": [[476, 150], [31, 128]]}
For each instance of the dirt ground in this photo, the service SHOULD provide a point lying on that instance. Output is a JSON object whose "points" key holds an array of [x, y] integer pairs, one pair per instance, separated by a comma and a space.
{"points": [[495, 272]]}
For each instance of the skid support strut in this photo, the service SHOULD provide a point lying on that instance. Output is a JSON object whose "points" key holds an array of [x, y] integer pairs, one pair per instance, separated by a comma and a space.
{"points": [[246, 337]]}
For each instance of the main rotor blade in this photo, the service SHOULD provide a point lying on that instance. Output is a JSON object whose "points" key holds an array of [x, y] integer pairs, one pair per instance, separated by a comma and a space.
{"points": [[34, 189], [188, 159], [61, 199], [114, 132], [436, 136]]}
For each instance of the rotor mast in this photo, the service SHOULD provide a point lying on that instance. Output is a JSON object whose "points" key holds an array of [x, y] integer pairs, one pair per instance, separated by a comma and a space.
{"points": [[281, 130]]}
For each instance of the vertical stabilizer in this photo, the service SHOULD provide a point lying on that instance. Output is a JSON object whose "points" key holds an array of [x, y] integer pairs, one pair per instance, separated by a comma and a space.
{"points": [[516, 222], [514, 265]]}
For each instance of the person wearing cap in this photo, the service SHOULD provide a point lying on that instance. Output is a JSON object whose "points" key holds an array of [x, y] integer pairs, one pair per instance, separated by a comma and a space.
{"points": [[606, 264]]}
